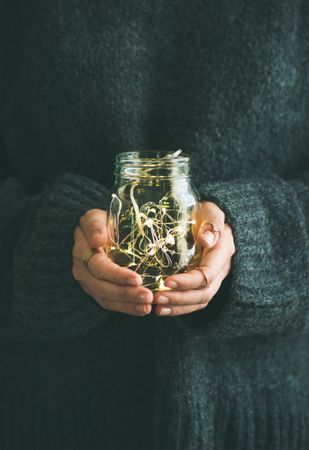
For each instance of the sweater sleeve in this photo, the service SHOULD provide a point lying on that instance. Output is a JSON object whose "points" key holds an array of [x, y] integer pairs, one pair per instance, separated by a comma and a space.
{"points": [[38, 294], [267, 290]]}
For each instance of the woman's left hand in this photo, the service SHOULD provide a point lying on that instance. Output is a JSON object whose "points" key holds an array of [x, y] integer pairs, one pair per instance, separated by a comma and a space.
{"points": [[189, 291]]}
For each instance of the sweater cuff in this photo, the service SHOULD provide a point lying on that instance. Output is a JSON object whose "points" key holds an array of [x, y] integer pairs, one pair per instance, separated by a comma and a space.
{"points": [[48, 301], [255, 210]]}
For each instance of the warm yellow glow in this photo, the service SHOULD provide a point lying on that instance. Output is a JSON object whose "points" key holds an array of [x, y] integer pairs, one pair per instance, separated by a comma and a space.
{"points": [[153, 238], [162, 287], [153, 235]]}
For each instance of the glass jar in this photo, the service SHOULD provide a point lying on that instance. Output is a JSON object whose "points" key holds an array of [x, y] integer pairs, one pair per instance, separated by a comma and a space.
{"points": [[152, 216]]}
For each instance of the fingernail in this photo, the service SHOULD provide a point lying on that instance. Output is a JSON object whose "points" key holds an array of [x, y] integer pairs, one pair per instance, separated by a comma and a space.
{"points": [[218, 227], [165, 312], [134, 281], [144, 298], [140, 308], [209, 237], [162, 300], [171, 284]]}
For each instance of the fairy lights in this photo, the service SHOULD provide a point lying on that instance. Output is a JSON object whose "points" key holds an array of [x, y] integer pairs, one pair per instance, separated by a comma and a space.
{"points": [[152, 237]]}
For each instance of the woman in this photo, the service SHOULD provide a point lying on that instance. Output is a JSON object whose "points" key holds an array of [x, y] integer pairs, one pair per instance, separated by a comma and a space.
{"points": [[227, 367]]}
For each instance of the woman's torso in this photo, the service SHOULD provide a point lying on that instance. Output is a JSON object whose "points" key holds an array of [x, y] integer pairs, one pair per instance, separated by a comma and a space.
{"points": [[225, 81]]}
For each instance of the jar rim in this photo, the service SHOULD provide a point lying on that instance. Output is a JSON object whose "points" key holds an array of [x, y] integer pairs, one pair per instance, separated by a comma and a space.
{"points": [[151, 156]]}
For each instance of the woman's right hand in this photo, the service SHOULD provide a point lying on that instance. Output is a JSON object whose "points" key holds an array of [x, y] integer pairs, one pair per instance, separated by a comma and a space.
{"points": [[113, 287]]}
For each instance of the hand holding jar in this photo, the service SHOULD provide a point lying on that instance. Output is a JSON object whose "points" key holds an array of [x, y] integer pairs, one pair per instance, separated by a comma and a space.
{"points": [[113, 287], [194, 289], [174, 250], [119, 289]]}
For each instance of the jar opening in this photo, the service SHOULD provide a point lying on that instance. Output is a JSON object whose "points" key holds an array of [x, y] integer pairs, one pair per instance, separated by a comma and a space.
{"points": [[152, 157], [152, 164]]}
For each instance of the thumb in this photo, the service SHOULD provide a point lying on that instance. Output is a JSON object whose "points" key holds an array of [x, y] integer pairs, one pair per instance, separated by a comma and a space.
{"points": [[93, 224], [212, 220], [208, 235]]}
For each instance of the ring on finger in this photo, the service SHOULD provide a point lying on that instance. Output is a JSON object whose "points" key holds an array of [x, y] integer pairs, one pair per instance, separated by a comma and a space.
{"points": [[206, 283]]}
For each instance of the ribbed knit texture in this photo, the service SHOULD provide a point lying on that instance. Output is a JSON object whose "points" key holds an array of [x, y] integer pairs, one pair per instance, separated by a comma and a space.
{"points": [[229, 83], [211, 400], [48, 221], [273, 246]]}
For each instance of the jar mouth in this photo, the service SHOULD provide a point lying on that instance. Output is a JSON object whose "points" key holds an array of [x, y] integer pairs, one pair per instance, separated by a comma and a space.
{"points": [[152, 157]]}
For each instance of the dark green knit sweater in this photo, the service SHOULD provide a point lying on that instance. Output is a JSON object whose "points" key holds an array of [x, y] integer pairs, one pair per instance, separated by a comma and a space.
{"points": [[228, 82]]}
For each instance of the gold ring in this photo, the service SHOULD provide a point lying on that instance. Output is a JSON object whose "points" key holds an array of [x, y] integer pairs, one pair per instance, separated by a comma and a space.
{"points": [[206, 284], [88, 255]]}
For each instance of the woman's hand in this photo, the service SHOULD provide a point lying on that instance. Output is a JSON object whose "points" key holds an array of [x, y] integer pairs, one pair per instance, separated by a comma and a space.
{"points": [[189, 290], [113, 287]]}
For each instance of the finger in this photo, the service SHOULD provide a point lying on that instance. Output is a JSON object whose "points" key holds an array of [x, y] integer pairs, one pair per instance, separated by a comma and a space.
{"points": [[183, 303], [124, 307], [209, 223], [214, 260], [104, 269], [109, 296], [206, 236], [101, 266], [129, 308], [211, 264], [81, 245], [93, 224], [182, 298], [210, 213], [193, 279], [191, 297]]}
